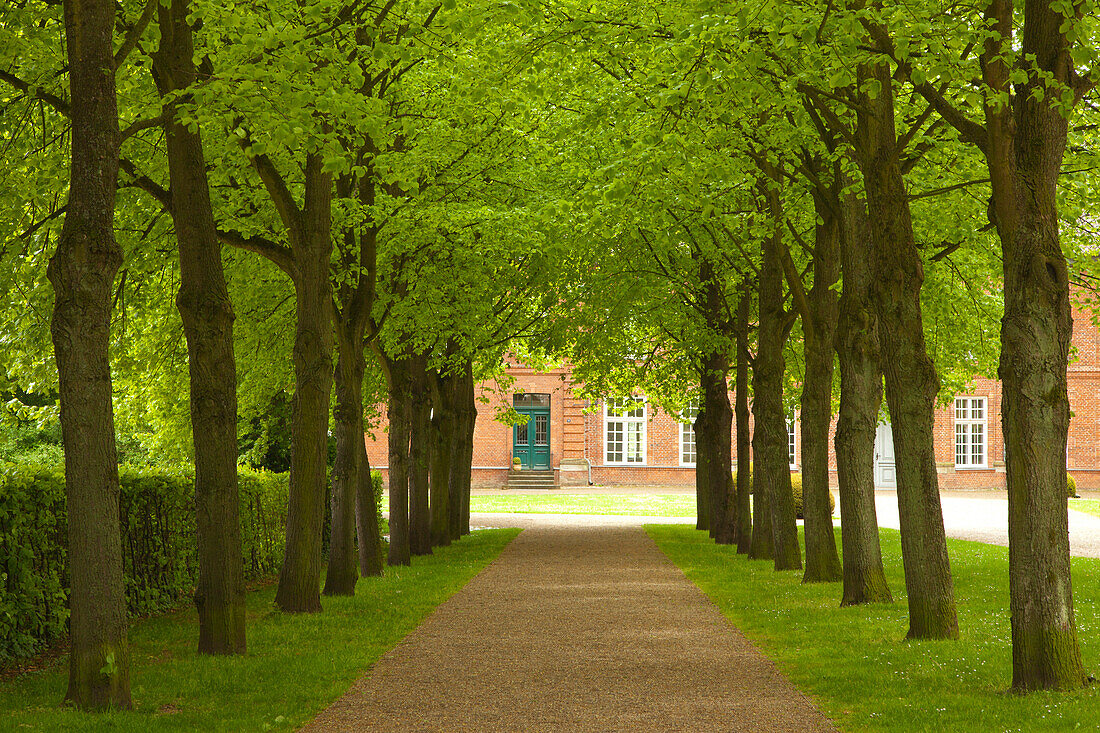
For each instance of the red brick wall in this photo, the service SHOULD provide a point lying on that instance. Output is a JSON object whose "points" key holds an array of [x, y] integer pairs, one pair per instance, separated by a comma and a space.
{"points": [[576, 434]]}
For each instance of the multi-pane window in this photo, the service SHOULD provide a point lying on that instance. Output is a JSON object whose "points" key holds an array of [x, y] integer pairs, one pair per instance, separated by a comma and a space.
{"points": [[792, 456], [688, 454], [970, 434], [625, 431]]}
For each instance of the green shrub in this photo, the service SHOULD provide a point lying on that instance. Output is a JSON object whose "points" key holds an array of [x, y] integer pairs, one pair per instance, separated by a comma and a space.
{"points": [[796, 492], [157, 518], [1071, 485]]}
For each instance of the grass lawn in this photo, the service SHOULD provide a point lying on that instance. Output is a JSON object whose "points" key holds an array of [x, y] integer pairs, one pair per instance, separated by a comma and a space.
{"points": [[295, 665], [1088, 506], [855, 663], [642, 505]]}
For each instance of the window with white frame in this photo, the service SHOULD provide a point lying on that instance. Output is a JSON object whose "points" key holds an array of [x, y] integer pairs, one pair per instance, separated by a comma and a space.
{"points": [[970, 432], [624, 431], [792, 456], [688, 454]]}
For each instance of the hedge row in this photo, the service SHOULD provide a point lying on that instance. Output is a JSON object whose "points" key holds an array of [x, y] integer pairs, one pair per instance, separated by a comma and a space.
{"points": [[157, 514]]}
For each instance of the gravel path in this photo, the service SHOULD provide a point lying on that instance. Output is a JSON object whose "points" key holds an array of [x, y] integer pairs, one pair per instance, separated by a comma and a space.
{"points": [[578, 626]]}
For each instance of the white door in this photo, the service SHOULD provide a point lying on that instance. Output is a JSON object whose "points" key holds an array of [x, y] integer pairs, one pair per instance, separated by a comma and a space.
{"points": [[885, 477]]}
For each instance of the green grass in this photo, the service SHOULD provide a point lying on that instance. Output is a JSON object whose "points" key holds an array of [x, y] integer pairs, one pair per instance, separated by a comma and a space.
{"points": [[643, 505], [295, 665], [1088, 506], [855, 663]]}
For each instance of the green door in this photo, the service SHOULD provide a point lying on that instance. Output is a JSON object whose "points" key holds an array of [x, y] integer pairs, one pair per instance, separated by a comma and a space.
{"points": [[531, 440]]}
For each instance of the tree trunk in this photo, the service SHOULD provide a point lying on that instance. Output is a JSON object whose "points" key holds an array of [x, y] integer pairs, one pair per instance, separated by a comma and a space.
{"points": [[911, 381], [299, 588], [744, 465], [366, 522], [1025, 146], [819, 327], [762, 546], [716, 406], [860, 396], [773, 471], [420, 531], [82, 273], [702, 483], [300, 577], [466, 409], [400, 426], [715, 443], [207, 313], [443, 439], [343, 565]]}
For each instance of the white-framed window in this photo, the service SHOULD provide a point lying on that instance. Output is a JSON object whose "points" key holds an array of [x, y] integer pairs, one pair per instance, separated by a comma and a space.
{"points": [[689, 456], [970, 432], [792, 453], [624, 431]]}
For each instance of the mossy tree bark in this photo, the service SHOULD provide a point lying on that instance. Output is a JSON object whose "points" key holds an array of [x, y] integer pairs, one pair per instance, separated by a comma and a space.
{"points": [[1025, 143], [860, 396], [399, 415], [82, 273], [461, 448], [354, 520], [716, 445], [343, 560], [420, 533], [367, 532], [771, 460], [818, 310], [702, 483], [911, 380], [714, 442], [444, 425], [741, 410], [207, 314]]}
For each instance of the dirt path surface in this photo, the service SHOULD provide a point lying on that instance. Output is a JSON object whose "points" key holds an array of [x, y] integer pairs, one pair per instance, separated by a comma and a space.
{"points": [[579, 627]]}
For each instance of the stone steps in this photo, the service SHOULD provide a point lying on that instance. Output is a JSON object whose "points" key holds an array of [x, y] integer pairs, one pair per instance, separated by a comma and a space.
{"points": [[531, 480]]}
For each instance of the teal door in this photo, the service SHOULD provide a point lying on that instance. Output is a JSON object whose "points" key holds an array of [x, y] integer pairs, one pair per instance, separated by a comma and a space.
{"points": [[531, 440]]}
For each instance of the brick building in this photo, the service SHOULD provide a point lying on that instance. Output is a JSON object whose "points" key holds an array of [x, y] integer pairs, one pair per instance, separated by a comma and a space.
{"points": [[636, 442]]}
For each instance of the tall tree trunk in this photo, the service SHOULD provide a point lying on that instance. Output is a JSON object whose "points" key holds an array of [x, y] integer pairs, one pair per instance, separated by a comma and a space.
{"points": [[716, 406], [399, 413], [762, 545], [443, 438], [744, 466], [466, 409], [771, 455], [860, 396], [420, 532], [299, 588], [819, 328], [82, 273], [702, 482], [911, 381], [716, 445], [1024, 150], [343, 560], [300, 577], [366, 522], [207, 313]]}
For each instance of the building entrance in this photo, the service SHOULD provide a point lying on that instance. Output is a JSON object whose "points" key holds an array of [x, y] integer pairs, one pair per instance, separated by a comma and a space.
{"points": [[531, 440]]}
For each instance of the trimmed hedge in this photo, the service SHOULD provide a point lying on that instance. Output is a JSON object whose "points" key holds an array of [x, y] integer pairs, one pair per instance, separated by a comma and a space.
{"points": [[1071, 486], [157, 517]]}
